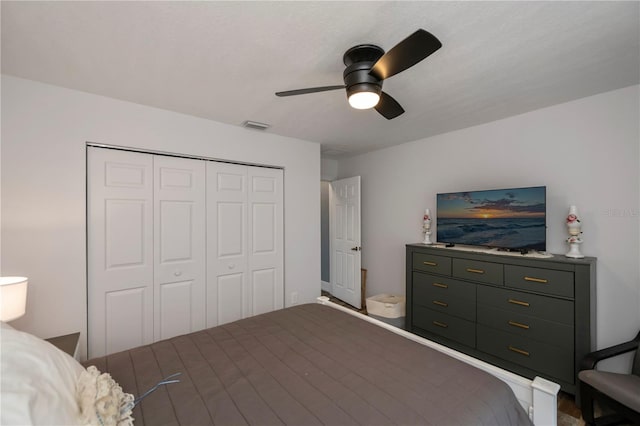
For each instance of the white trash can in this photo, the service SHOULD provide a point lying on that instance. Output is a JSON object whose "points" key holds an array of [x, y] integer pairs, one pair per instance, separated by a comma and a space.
{"points": [[388, 308]]}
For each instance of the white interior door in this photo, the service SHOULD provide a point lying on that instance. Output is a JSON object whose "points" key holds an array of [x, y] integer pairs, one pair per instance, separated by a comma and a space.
{"points": [[265, 229], [227, 252], [120, 250], [179, 246], [344, 223]]}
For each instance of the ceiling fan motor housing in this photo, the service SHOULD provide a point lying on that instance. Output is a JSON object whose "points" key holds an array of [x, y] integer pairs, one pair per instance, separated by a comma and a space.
{"points": [[357, 79], [359, 61]]}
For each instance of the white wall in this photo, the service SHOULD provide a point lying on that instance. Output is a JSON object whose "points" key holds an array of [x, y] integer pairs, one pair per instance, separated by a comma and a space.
{"points": [[44, 132], [586, 152], [329, 169]]}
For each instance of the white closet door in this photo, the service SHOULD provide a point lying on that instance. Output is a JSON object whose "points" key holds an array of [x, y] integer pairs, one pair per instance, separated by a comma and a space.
{"points": [[265, 229], [176, 245], [120, 250], [179, 246], [227, 263]]}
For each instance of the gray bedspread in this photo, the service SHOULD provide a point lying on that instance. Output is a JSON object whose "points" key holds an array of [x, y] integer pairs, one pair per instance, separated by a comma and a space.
{"points": [[307, 365]]}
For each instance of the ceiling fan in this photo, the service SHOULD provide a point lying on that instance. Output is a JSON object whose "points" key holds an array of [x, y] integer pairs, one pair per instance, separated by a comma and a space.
{"points": [[367, 66]]}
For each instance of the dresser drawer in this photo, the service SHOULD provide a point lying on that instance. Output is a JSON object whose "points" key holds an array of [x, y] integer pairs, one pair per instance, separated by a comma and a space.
{"points": [[475, 270], [430, 263], [445, 295], [547, 359], [434, 285], [548, 281], [534, 305], [528, 327], [444, 325]]}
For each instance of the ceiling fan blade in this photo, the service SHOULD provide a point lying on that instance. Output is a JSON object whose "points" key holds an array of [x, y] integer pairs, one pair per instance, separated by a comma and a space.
{"points": [[309, 90], [405, 54], [388, 107]]}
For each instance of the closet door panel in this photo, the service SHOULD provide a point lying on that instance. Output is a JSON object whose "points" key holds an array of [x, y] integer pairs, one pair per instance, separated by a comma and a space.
{"points": [[176, 300], [120, 250], [230, 229], [227, 266], [124, 233], [266, 239], [264, 228], [179, 210], [227, 297], [127, 318], [125, 227], [263, 288], [177, 228]]}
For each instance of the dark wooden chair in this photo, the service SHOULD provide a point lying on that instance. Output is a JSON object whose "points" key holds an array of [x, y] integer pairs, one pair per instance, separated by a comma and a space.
{"points": [[619, 392]]}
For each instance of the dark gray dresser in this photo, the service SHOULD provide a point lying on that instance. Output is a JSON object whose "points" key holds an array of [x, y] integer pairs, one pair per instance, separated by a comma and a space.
{"points": [[532, 316]]}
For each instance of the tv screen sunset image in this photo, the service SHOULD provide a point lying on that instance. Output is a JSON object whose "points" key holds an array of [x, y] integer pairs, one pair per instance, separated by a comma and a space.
{"points": [[504, 218]]}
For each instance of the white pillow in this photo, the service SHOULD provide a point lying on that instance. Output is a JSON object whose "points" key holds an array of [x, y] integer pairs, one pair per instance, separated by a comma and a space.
{"points": [[101, 400], [5, 325], [37, 381]]}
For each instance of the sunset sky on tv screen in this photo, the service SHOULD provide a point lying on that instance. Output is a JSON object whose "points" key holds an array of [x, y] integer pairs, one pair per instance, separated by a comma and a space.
{"points": [[493, 204]]}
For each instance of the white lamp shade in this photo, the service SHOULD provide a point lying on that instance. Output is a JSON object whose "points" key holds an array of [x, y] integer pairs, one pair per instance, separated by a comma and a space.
{"points": [[13, 297]]}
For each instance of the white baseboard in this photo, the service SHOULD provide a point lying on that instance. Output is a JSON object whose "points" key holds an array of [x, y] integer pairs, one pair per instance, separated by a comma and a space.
{"points": [[325, 286]]}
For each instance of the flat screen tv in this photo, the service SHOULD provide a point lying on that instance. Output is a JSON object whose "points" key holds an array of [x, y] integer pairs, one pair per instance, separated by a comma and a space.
{"points": [[510, 219]]}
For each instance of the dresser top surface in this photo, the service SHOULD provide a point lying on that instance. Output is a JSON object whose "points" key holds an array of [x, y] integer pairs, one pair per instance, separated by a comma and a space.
{"points": [[492, 255]]}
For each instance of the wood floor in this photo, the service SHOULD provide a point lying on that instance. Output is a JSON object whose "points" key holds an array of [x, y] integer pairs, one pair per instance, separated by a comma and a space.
{"points": [[568, 412], [568, 407]]}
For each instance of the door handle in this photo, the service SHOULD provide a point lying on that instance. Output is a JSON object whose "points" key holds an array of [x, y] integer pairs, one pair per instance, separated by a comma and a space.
{"points": [[356, 248]]}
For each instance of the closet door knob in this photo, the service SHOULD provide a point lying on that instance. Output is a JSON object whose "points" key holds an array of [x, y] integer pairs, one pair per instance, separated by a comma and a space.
{"points": [[231, 266], [177, 273]]}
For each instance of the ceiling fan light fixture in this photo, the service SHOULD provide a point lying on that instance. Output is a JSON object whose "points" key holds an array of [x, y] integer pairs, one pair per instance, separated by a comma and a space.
{"points": [[364, 96], [364, 100]]}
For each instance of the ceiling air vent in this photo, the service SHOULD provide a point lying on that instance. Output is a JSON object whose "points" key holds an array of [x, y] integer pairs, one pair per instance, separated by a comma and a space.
{"points": [[255, 125]]}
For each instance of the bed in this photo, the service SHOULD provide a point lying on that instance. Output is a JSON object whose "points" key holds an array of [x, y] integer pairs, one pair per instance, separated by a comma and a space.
{"points": [[317, 364]]}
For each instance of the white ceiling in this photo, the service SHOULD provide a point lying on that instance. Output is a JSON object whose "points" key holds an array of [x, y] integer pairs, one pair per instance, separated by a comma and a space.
{"points": [[224, 60]]}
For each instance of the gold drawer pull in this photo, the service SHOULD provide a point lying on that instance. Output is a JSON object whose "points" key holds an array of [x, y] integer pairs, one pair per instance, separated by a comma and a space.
{"points": [[518, 351], [439, 303], [518, 302], [440, 324], [440, 285], [430, 263], [475, 271], [536, 280], [517, 324]]}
